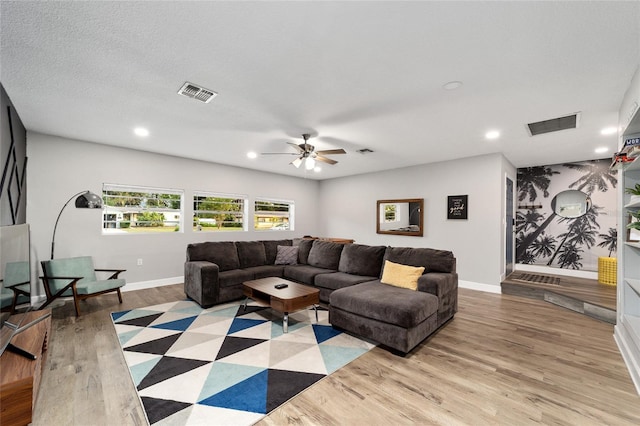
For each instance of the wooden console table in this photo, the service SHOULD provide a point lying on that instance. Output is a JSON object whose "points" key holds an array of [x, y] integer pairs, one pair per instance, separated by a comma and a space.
{"points": [[20, 376]]}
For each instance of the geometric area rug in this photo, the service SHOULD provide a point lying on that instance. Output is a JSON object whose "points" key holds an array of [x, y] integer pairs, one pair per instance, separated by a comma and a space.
{"points": [[224, 365]]}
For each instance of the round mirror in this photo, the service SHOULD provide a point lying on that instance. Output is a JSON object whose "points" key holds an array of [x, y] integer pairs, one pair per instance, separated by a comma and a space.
{"points": [[571, 203]]}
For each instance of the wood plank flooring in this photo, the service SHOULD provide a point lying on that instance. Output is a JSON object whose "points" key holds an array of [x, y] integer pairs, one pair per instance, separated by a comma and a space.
{"points": [[502, 360]]}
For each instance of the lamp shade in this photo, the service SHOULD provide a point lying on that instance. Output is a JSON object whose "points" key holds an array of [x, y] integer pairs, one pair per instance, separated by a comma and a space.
{"points": [[88, 200]]}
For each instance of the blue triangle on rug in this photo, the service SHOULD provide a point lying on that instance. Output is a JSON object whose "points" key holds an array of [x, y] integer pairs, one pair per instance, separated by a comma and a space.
{"points": [[243, 323], [325, 332], [252, 372], [179, 325]]}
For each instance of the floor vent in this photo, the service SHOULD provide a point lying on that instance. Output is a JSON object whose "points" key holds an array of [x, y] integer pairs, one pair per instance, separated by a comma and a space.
{"points": [[198, 93], [554, 125], [538, 279]]}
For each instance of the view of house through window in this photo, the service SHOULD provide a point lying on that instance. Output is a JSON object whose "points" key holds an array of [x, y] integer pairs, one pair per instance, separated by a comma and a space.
{"points": [[273, 215], [136, 209], [218, 212], [391, 213]]}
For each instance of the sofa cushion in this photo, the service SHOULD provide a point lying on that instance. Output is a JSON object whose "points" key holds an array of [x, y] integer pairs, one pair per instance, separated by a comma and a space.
{"points": [[360, 259], [250, 253], [265, 271], [393, 305], [325, 254], [271, 249], [304, 273], [433, 260], [287, 255], [222, 253], [401, 275], [234, 277], [304, 247], [338, 280]]}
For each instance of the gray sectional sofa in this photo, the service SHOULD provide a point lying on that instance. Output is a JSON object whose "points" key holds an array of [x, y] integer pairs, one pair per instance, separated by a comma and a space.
{"points": [[348, 277]]}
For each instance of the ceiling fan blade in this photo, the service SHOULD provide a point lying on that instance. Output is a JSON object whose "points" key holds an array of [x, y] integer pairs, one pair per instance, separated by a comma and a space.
{"points": [[325, 159], [331, 152], [297, 162], [297, 147]]}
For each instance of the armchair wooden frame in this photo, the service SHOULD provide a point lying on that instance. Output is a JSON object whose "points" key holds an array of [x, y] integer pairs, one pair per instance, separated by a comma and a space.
{"points": [[16, 293], [73, 281]]}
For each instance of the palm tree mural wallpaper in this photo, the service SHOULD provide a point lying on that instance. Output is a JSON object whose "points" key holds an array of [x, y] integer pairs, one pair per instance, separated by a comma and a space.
{"points": [[544, 238]]}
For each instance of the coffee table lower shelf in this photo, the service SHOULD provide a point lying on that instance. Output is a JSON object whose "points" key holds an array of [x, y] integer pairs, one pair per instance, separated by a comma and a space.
{"points": [[295, 297]]}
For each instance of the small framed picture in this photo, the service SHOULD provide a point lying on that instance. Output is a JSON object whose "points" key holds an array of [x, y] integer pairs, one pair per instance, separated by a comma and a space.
{"points": [[633, 235], [457, 206]]}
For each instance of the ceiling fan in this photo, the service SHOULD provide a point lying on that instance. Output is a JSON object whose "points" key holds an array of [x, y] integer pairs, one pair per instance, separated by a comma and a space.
{"points": [[308, 154]]}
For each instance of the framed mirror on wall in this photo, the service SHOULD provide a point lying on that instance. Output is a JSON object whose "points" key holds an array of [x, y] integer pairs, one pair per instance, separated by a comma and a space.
{"points": [[400, 217]]}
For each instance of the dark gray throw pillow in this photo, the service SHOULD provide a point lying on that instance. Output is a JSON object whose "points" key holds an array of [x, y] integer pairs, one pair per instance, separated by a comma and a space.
{"points": [[287, 255]]}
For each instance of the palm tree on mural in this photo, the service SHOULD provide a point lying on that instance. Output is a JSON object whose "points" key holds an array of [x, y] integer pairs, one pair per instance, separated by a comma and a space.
{"points": [[610, 240], [527, 239], [596, 176], [527, 220], [543, 246], [570, 257], [532, 179], [582, 231]]}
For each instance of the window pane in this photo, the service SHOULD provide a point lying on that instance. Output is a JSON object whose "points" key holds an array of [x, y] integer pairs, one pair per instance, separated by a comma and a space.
{"points": [[273, 215], [131, 209], [218, 212]]}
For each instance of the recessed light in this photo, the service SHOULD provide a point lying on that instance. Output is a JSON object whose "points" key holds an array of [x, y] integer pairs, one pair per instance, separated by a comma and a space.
{"points": [[252, 154], [609, 131], [493, 134], [452, 85], [141, 131], [601, 150]]}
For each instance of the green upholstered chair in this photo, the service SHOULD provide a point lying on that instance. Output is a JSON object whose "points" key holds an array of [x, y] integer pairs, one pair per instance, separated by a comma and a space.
{"points": [[76, 277], [16, 285]]}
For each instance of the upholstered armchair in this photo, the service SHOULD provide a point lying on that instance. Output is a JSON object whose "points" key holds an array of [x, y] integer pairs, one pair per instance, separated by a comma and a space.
{"points": [[77, 277]]}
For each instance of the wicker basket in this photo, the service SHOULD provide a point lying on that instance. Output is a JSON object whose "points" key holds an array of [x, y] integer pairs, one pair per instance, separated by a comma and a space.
{"points": [[607, 270]]}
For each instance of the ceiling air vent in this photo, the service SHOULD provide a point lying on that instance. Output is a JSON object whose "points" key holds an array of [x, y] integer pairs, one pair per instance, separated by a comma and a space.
{"points": [[554, 125], [365, 151], [193, 91]]}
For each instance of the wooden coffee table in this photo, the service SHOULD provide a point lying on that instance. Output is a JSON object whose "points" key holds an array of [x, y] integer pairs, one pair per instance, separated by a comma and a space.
{"points": [[294, 297]]}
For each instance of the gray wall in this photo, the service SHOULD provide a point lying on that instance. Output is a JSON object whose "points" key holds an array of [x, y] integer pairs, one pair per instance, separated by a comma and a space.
{"points": [[348, 208], [58, 168]]}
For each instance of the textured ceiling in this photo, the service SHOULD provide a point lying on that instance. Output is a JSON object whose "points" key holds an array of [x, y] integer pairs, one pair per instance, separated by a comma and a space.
{"points": [[356, 74]]}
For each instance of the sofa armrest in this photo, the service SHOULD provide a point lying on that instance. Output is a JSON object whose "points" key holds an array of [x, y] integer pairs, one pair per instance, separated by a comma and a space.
{"points": [[201, 282], [444, 285]]}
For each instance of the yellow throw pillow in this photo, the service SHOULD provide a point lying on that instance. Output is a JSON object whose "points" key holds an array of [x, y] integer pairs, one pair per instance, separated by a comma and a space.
{"points": [[401, 275]]}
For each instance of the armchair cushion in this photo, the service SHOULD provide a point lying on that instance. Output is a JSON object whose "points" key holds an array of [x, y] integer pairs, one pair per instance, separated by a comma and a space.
{"points": [[69, 268]]}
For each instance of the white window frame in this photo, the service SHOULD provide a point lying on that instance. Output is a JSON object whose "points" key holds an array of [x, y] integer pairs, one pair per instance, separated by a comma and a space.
{"points": [[201, 227], [172, 217], [289, 216]]}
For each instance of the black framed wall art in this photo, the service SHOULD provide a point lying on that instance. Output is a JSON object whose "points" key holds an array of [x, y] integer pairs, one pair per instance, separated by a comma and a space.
{"points": [[457, 206]]}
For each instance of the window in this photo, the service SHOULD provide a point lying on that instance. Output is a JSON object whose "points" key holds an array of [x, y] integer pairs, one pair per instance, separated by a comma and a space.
{"points": [[218, 212], [273, 215], [391, 213], [137, 209]]}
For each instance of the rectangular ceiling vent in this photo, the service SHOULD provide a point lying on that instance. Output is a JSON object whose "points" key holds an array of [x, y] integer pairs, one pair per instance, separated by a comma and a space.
{"points": [[196, 92], [554, 125]]}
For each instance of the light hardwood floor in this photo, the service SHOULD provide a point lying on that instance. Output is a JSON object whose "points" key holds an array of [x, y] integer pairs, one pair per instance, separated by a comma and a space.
{"points": [[502, 360]]}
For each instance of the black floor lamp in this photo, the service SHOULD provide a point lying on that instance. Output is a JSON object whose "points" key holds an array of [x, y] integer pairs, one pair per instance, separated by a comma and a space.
{"points": [[85, 200]]}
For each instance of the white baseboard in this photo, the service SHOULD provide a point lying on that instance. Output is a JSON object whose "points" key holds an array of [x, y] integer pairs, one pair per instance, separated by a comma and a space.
{"points": [[592, 275], [488, 288], [140, 285]]}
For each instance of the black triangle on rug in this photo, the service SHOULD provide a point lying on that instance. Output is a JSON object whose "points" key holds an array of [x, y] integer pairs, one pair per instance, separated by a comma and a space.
{"points": [[225, 364]]}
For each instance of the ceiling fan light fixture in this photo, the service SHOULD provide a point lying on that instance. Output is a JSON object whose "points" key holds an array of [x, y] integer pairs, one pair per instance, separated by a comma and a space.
{"points": [[309, 163], [296, 163]]}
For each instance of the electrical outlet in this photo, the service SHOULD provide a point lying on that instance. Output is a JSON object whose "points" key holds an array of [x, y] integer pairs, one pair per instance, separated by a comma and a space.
{"points": [[139, 262]]}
